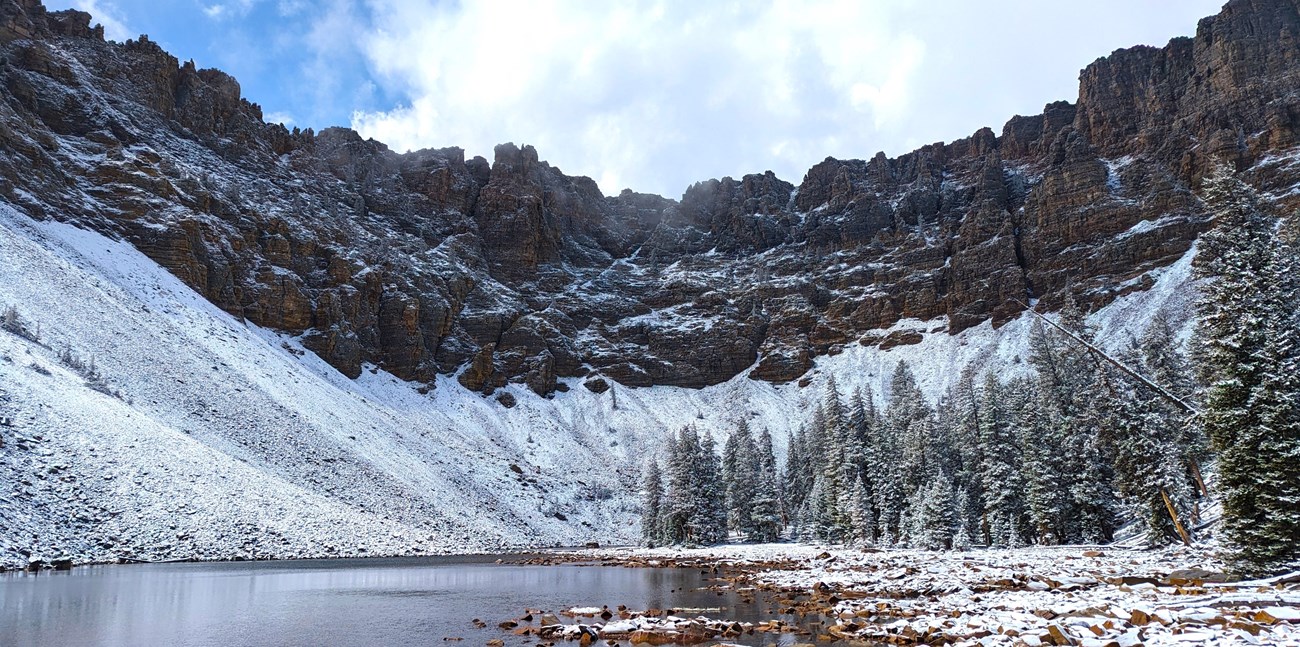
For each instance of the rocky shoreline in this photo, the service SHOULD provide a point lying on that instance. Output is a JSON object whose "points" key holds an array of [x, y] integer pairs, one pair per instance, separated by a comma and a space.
{"points": [[1068, 596]]}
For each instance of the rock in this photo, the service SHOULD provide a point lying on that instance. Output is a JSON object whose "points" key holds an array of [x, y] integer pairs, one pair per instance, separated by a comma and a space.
{"points": [[1274, 615], [507, 400], [61, 563], [1058, 636], [427, 264], [1195, 577]]}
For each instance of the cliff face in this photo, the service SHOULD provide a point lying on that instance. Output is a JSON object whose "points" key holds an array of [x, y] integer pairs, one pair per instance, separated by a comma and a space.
{"points": [[428, 263]]}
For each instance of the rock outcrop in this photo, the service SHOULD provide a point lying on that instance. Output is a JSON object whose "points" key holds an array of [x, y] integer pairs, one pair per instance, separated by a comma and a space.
{"points": [[511, 271]]}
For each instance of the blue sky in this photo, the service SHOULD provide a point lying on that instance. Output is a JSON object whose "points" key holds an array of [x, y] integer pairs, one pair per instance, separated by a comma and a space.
{"points": [[653, 94]]}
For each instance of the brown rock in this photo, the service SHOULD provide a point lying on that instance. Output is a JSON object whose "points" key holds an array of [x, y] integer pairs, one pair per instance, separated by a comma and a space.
{"points": [[426, 263]]}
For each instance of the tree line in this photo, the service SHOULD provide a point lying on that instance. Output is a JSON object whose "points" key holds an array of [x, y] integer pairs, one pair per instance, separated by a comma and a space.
{"points": [[1061, 453]]}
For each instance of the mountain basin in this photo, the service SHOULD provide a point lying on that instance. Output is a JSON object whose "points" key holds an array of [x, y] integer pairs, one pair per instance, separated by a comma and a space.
{"points": [[400, 601]]}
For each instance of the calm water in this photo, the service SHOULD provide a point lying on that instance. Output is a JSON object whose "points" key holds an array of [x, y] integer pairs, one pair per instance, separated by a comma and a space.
{"points": [[326, 602]]}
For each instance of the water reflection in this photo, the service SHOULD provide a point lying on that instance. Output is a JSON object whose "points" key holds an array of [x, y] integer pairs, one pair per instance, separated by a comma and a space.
{"points": [[326, 602]]}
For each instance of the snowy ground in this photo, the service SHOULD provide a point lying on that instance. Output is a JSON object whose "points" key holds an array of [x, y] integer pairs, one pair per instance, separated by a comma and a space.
{"points": [[225, 440], [1090, 596]]}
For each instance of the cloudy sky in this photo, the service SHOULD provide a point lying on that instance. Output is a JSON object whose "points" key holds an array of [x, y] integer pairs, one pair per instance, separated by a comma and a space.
{"points": [[653, 95]]}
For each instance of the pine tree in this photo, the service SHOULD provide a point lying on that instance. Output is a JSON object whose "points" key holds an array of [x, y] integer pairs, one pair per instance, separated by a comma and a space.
{"points": [[862, 524], [1047, 490], [1250, 342], [1000, 473], [652, 497], [711, 521], [767, 515], [677, 506], [739, 472], [797, 473], [1156, 447], [837, 470], [1076, 441], [901, 464], [932, 515], [966, 454]]}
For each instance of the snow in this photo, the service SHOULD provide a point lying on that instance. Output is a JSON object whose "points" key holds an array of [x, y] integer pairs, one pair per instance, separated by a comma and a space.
{"points": [[1113, 168], [231, 440], [999, 595]]}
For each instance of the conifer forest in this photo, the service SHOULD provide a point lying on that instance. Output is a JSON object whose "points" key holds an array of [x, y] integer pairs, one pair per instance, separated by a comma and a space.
{"points": [[1076, 446]]}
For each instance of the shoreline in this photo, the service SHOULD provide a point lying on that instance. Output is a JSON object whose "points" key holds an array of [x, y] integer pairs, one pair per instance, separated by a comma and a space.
{"points": [[1071, 595], [123, 561]]}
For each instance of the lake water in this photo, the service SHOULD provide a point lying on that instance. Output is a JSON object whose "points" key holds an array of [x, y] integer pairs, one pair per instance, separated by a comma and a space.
{"points": [[328, 602]]}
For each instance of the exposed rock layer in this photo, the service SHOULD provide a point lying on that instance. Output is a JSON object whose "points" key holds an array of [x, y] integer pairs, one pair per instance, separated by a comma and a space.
{"points": [[428, 263]]}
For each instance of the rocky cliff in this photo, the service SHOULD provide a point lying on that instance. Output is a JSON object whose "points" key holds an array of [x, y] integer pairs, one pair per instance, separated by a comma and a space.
{"points": [[429, 263]]}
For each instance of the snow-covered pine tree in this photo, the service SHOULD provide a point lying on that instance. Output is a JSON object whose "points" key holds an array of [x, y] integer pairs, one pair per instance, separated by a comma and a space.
{"points": [[837, 470], [863, 452], [1164, 362], [1249, 342], [711, 522], [1042, 440], [931, 515], [1000, 472], [652, 493], [797, 474], [1075, 395], [677, 506], [1147, 463], [764, 456], [811, 518], [739, 473], [966, 453], [862, 525], [905, 414], [858, 428], [766, 516]]}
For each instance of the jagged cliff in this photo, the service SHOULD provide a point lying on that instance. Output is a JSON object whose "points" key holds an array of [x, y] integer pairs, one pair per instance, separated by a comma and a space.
{"points": [[511, 271]]}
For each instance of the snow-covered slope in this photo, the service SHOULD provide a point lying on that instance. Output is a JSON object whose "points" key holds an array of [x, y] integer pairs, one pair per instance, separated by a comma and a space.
{"points": [[225, 440]]}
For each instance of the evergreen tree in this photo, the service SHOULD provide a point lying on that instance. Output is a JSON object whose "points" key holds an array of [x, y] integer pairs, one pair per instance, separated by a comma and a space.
{"points": [[652, 496], [862, 524], [766, 515], [677, 506], [1249, 342], [932, 515], [1000, 472], [900, 460], [966, 454], [798, 471], [711, 523], [1076, 441], [1047, 489], [739, 473]]}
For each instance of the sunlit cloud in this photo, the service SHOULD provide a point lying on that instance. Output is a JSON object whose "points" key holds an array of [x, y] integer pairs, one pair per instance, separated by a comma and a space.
{"points": [[107, 13], [652, 94]]}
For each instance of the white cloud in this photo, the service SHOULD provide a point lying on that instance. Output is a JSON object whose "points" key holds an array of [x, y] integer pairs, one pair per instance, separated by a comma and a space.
{"points": [[110, 16], [648, 94], [657, 94], [278, 118], [223, 10]]}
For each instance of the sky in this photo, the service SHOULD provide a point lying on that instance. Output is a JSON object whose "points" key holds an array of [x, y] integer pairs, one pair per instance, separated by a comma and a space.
{"points": [[652, 95]]}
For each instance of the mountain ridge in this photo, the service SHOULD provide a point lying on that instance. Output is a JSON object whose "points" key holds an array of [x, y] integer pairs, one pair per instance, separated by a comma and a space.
{"points": [[429, 264]]}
